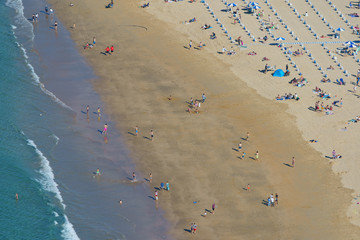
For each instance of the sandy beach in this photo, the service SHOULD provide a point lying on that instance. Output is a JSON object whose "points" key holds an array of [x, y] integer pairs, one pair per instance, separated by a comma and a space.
{"points": [[198, 152]]}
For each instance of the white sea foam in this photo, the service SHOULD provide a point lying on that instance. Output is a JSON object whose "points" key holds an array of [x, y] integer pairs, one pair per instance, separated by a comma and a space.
{"points": [[47, 181], [56, 138], [55, 214], [26, 27]]}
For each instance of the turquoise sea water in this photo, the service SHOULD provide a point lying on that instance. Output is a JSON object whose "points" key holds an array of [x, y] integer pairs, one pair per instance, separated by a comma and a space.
{"points": [[38, 214]]}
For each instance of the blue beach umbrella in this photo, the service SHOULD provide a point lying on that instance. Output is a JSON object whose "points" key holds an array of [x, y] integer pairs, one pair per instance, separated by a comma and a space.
{"points": [[256, 7], [349, 43], [232, 5], [253, 4], [280, 39], [352, 46], [340, 29]]}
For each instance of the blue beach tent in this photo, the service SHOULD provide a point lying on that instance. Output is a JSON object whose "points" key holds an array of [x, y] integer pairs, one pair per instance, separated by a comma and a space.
{"points": [[278, 73]]}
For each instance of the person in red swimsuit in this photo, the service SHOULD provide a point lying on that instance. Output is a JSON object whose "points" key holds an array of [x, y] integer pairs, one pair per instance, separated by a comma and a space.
{"points": [[112, 49], [107, 50]]}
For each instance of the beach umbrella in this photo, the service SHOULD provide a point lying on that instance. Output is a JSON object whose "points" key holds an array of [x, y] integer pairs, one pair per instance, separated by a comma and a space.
{"points": [[349, 43], [232, 5], [340, 29], [280, 39], [253, 4], [352, 46], [256, 7]]}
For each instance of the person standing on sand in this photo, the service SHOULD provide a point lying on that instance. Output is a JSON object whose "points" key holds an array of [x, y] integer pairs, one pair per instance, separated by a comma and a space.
{"points": [[293, 162], [203, 97], [98, 112], [97, 172], [94, 41], [137, 132], [55, 25], [112, 49], [190, 44], [87, 109], [247, 136], [248, 188], [167, 186], [151, 135], [257, 155], [105, 129], [276, 199], [156, 195], [150, 177], [333, 154], [243, 155], [213, 206], [107, 50], [134, 176], [194, 228], [287, 67], [240, 146]]}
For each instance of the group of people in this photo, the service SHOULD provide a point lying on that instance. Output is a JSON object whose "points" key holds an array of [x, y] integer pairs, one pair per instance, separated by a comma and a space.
{"points": [[109, 50], [288, 96], [273, 201], [195, 105], [300, 82]]}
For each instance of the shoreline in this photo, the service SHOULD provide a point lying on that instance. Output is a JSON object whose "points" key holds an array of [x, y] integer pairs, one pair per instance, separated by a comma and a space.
{"points": [[223, 99], [80, 149]]}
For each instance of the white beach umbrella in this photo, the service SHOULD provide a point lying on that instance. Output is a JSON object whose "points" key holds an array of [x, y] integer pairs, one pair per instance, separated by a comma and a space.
{"points": [[253, 4], [280, 39], [349, 43], [340, 29], [232, 5], [352, 46]]}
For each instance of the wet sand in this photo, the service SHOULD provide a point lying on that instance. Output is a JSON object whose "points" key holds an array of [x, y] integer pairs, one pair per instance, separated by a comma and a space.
{"points": [[194, 152]]}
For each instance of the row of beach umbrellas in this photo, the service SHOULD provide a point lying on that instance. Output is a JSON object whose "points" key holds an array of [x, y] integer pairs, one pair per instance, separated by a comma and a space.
{"points": [[253, 5]]}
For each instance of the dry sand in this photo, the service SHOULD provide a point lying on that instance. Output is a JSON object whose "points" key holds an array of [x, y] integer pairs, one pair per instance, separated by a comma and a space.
{"points": [[194, 151]]}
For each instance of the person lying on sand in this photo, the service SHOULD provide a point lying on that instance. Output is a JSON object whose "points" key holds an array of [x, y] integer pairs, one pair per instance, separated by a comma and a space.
{"points": [[252, 53], [266, 59], [145, 5], [330, 68], [206, 26], [213, 36], [324, 80]]}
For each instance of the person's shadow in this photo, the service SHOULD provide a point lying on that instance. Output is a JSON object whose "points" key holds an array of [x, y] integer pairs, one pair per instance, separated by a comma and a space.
{"points": [[131, 133], [147, 138], [187, 230], [235, 149], [252, 158], [286, 164], [151, 197], [265, 202]]}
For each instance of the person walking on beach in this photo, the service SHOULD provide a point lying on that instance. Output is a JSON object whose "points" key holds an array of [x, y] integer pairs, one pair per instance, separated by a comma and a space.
{"points": [[156, 195], [293, 162], [247, 136], [105, 129], [97, 172], [333, 154], [268, 202], [240, 146], [150, 177], [94, 41], [98, 112], [112, 49], [134, 177], [266, 68], [203, 97], [341, 102], [151, 135], [194, 228], [248, 187], [87, 109], [136, 131], [55, 25], [213, 206], [287, 67], [257, 155], [107, 50], [243, 155], [190, 44], [167, 186], [276, 199]]}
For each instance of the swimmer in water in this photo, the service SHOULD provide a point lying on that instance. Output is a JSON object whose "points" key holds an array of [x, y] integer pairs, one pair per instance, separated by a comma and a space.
{"points": [[105, 128], [120, 202], [16, 196]]}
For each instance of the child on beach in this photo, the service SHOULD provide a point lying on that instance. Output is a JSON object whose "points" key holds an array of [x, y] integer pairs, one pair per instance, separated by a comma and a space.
{"points": [[243, 155], [137, 132], [105, 128]]}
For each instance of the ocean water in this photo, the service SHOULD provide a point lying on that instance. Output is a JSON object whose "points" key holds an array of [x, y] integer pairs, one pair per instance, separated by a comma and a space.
{"points": [[49, 148], [39, 212]]}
